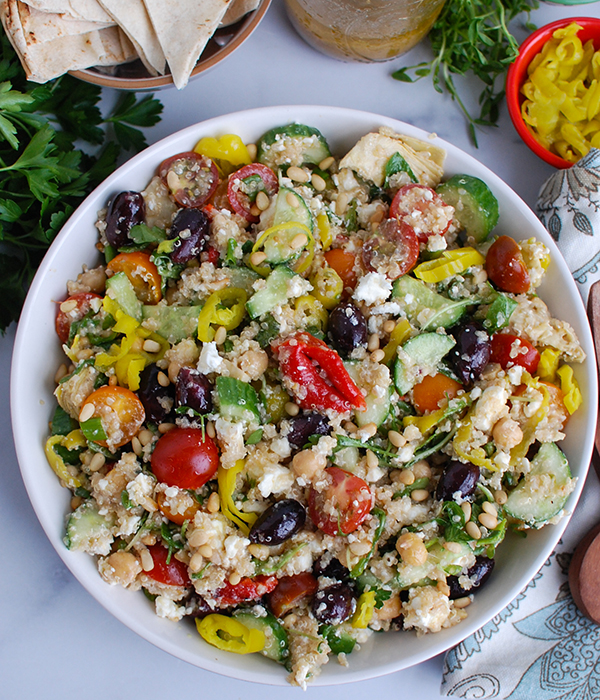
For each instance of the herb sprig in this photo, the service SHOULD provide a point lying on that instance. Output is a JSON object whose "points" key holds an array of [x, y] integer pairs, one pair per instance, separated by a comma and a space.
{"points": [[472, 35], [55, 147]]}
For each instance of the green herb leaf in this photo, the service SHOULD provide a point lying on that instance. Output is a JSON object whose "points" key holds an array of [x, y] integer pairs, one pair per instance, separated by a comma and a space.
{"points": [[397, 164], [93, 430], [62, 423], [141, 233], [254, 437]]}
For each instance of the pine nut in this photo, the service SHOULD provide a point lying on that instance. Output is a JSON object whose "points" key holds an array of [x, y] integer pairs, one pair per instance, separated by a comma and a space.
{"points": [[136, 446], [291, 408], [252, 150], [299, 241], [359, 548], [97, 462], [147, 561], [262, 200], [326, 163], [443, 588], [318, 183], [419, 495], [234, 578], [500, 497], [487, 520], [462, 602], [61, 372], [406, 477], [297, 174], [472, 530], [86, 412], [196, 562], [373, 343], [377, 355], [172, 181], [369, 430], [214, 503], [198, 537], [466, 509], [220, 335], [260, 551], [372, 460], [162, 379], [165, 427], [254, 210], [350, 427], [453, 547], [145, 437], [76, 501], [341, 204], [490, 508], [68, 306], [258, 257], [112, 380], [173, 371], [292, 200], [210, 430], [396, 438], [388, 326], [151, 345], [206, 551]]}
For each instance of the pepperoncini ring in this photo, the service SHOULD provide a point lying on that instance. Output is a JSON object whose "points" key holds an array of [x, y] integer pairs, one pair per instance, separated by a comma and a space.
{"points": [[223, 308], [57, 463], [229, 634], [280, 245], [229, 148], [451, 262], [365, 608], [226, 479]]}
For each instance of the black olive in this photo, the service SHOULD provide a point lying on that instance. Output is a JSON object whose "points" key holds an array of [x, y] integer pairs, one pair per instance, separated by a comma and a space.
{"points": [[458, 477], [190, 227], [157, 399], [194, 390], [479, 573], [347, 328], [305, 425], [471, 353], [334, 604], [278, 523], [329, 566], [126, 210]]}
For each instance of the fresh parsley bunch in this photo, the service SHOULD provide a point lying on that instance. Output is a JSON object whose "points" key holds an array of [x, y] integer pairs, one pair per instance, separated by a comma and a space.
{"points": [[472, 35], [44, 173]]}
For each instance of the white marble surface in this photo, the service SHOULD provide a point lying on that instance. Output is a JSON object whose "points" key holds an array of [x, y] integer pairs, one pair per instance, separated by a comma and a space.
{"points": [[56, 641]]}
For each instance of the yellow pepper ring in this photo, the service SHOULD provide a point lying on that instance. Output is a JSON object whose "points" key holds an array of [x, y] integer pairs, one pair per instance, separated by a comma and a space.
{"points": [[288, 226], [365, 609], [229, 147], [452, 262], [57, 463], [226, 479], [229, 634], [230, 315]]}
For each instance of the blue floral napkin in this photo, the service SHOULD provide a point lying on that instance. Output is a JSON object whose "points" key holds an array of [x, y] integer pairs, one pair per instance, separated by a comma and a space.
{"points": [[540, 647]]}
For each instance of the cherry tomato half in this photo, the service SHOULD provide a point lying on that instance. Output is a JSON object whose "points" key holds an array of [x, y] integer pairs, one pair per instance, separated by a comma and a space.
{"points": [[343, 262], [142, 273], [505, 266], [422, 209], [432, 390], [190, 177], [120, 411], [509, 350], [174, 573], [186, 458], [392, 250], [175, 517], [246, 589], [343, 505], [80, 303], [290, 591], [246, 183]]}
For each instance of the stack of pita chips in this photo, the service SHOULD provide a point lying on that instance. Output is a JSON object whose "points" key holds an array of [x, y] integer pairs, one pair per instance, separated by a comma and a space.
{"points": [[52, 37]]}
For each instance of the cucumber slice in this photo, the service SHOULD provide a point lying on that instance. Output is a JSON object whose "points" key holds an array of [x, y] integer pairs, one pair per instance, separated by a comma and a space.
{"points": [[285, 212], [378, 407], [340, 642], [475, 206], [437, 558], [278, 243], [292, 144], [237, 400], [416, 297], [88, 531], [275, 293], [420, 356], [277, 645], [119, 288], [542, 493], [175, 323], [242, 278]]}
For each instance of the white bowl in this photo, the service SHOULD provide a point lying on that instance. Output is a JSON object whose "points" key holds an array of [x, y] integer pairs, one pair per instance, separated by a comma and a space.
{"points": [[37, 355]]}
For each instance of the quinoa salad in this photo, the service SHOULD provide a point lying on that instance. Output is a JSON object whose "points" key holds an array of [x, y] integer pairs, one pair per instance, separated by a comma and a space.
{"points": [[306, 396]]}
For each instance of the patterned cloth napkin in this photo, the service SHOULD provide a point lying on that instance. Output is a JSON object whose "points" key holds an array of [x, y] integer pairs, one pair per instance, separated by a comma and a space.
{"points": [[540, 647]]}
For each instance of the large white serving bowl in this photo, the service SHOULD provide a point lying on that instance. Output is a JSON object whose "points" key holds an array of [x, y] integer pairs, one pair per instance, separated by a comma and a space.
{"points": [[37, 354]]}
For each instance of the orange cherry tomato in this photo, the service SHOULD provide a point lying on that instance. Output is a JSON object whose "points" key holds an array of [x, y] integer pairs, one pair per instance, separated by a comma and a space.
{"points": [[141, 272], [505, 266], [120, 411], [81, 303], [177, 518], [290, 591], [343, 263], [432, 390]]}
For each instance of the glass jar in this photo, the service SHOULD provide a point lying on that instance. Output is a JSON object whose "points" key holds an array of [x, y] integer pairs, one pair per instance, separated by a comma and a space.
{"points": [[363, 30]]}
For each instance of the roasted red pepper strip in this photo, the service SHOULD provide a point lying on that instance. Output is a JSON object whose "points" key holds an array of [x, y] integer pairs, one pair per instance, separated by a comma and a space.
{"points": [[297, 357], [246, 589]]}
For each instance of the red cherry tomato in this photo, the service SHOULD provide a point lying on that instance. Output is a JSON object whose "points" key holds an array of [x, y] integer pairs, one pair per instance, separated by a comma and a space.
{"points": [[505, 266], [185, 458], [392, 250], [174, 573], [246, 183], [190, 178], [423, 210], [80, 304], [120, 411], [343, 505], [246, 589], [290, 591], [509, 350]]}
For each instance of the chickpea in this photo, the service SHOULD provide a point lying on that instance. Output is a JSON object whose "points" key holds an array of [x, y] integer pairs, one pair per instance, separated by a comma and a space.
{"points": [[307, 464], [411, 548], [254, 363], [390, 609], [507, 433], [125, 567], [421, 469]]}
